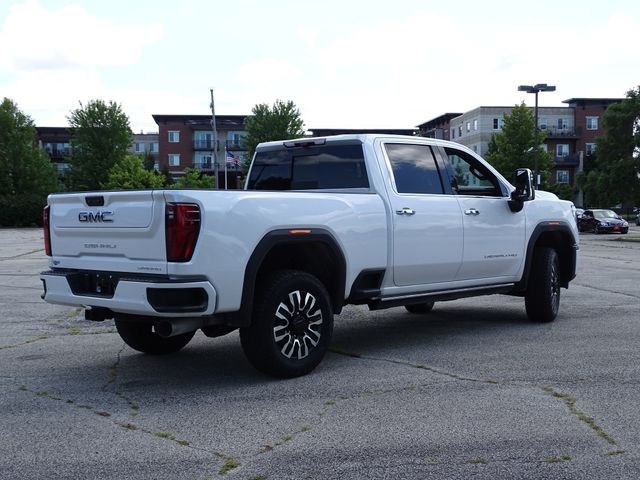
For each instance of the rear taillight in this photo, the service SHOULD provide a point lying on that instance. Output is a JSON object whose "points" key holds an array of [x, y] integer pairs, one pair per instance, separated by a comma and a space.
{"points": [[47, 230], [182, 226]]}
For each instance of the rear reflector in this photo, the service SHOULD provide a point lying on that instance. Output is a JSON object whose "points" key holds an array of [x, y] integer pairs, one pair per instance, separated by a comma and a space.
{"points": [[182, 227], [47, 231]]}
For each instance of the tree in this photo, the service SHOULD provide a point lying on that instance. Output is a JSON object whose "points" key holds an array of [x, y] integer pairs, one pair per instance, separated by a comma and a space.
{"points": [[192, 178], [616, 176], [515, 147], [280, 122], [27, 175], [129, 173], [101, 137]]}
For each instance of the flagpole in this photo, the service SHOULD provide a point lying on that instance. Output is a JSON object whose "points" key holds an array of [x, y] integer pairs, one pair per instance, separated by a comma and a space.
{"points": [[226, 178], [215, 140]]}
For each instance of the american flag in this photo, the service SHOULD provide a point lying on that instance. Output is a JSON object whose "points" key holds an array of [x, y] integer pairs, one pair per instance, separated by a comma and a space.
{"points": [[233, 159]]}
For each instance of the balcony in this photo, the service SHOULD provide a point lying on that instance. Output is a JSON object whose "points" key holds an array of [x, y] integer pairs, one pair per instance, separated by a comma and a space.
{"points": [[203, 144], [203, 166], [235, 145], [555, 132], [572, 160]]}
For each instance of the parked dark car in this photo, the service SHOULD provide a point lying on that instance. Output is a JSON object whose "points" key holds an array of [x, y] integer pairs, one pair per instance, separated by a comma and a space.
{"points": [[602, 221], [637, 212]]}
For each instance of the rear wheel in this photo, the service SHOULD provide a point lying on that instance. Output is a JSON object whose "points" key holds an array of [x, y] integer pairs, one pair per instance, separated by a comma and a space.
{"points": [[542, 300], [291, 326], [419, 307], [141, 337]]}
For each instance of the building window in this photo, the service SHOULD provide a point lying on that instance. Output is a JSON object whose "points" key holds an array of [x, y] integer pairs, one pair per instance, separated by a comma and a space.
{"points": [[475, 124], [460, 130], [153, 147], [453, 133], [497, 123], [156, 166], [203, 160], [174, 136], [592, 123], [563, 124], [590, 148], [468, 126], [562, 150], [174, 159], [139, 147], [542, 124], [562, 176]]}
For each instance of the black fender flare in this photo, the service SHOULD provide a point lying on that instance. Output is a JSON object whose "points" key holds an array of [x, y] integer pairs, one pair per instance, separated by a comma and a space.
{"points": [[568, 267], [288, 236]]}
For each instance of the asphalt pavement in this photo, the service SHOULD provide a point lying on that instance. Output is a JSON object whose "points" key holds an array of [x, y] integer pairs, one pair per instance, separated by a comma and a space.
{"points": [[471, 390]]}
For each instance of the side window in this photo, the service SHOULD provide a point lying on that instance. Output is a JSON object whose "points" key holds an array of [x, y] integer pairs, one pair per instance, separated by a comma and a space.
{"points": [[471, 177], [325, 168], [414, 168]]}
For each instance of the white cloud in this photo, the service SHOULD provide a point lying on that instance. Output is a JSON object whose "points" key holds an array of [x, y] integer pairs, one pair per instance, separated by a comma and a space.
{"points": [[34, 38]]}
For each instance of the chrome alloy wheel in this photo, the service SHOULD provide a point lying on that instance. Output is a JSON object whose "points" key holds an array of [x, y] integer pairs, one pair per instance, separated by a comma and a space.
{"points": [[297, 330]]}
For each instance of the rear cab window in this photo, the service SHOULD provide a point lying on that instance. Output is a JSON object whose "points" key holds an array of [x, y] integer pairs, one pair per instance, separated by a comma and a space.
{"points": [[333, 166]]}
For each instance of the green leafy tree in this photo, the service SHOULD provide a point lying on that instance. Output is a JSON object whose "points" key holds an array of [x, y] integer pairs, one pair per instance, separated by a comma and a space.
{"points": [[148, 160], [282, 121], [192, 178], [101, 137], [129, 173], [616, 176], [27, 173], [517, 145]]}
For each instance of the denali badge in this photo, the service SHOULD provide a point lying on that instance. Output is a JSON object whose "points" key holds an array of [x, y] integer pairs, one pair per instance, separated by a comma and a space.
{"points": [[97, 217]]}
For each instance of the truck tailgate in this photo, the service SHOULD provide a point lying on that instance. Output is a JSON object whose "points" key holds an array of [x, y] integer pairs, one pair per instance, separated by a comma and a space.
{"points": [[109, 231]]}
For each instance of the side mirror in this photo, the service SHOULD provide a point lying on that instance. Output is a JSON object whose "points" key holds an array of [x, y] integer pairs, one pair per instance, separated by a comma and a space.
{"points": [[524, 191]]}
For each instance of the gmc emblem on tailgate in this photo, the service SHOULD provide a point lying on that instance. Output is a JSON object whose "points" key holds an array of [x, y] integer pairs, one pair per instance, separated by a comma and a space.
{"points": [[95, 217]]}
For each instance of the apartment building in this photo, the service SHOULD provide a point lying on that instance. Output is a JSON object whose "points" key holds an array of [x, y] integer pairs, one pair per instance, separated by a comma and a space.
{"points": [[56, 142], [146, 144], [187, 141], [570, 131]]}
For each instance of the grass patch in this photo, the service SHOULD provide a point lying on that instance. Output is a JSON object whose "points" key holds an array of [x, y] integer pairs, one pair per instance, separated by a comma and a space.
{"points": [[570, 402], [229, 464], [632, 238], [330, 402], [102, 414], [75, 330], [167, 435], [615, 453], [477, 461], [344, 352], [305, 428]]}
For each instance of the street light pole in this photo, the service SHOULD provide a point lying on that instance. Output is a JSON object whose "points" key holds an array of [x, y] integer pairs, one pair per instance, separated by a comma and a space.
{"points": [[535, 89]]}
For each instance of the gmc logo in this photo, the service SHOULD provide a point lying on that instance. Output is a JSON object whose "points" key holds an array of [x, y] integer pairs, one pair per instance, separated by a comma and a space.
{"points": [[95, 217]]}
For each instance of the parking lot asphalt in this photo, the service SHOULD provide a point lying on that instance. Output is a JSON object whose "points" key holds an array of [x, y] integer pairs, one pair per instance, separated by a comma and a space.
{"points": [[471, 390]]}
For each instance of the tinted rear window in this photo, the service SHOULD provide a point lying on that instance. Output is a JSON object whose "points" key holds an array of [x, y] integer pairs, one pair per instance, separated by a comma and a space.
{"points": [[327, 167]]}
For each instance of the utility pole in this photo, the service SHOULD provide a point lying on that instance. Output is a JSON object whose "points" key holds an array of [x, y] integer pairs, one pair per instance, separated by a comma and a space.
{"points": [[214, 146]]}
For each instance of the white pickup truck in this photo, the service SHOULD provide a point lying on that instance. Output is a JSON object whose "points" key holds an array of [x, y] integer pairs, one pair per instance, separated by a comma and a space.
{"points": [[379, 220]]}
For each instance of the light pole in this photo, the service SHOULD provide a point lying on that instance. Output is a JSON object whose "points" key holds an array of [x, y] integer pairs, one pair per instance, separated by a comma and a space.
{"points": [[538, 87]]}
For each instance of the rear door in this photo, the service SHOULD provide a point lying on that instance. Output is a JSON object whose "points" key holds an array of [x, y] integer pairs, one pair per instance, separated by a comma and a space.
{"points": [[427, 225], [109, 231]]}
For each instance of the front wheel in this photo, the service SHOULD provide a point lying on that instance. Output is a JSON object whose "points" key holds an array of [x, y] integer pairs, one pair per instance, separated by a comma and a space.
{"points": [[291, 325], [141, 337], [542, 299]]}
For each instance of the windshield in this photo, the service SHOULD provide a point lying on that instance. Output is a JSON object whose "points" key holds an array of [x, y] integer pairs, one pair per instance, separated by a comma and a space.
{"points": [[605, 214]]}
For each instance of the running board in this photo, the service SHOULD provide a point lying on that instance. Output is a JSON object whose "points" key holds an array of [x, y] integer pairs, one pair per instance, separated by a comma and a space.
{"points": [[439, 296]]}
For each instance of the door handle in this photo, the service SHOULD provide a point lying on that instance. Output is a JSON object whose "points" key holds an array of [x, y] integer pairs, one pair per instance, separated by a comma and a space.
{"points": [[406, 211], [471, 211]]}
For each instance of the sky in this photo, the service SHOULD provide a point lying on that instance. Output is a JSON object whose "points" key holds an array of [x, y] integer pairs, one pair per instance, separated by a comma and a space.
{"points": [[344, 63]]}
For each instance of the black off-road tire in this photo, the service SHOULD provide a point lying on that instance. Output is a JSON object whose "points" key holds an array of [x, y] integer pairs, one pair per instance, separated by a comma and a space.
{"points": [[291, 326], [420, 308], [542, 299], [141, 337]]}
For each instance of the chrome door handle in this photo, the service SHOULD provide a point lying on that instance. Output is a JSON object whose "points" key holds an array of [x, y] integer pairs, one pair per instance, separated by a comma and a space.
{"points": [[406, 211], [471, 211]]}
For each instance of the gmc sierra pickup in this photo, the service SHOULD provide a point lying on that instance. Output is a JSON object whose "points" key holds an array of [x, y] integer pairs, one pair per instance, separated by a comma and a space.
{"points": [[379, 220]]}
